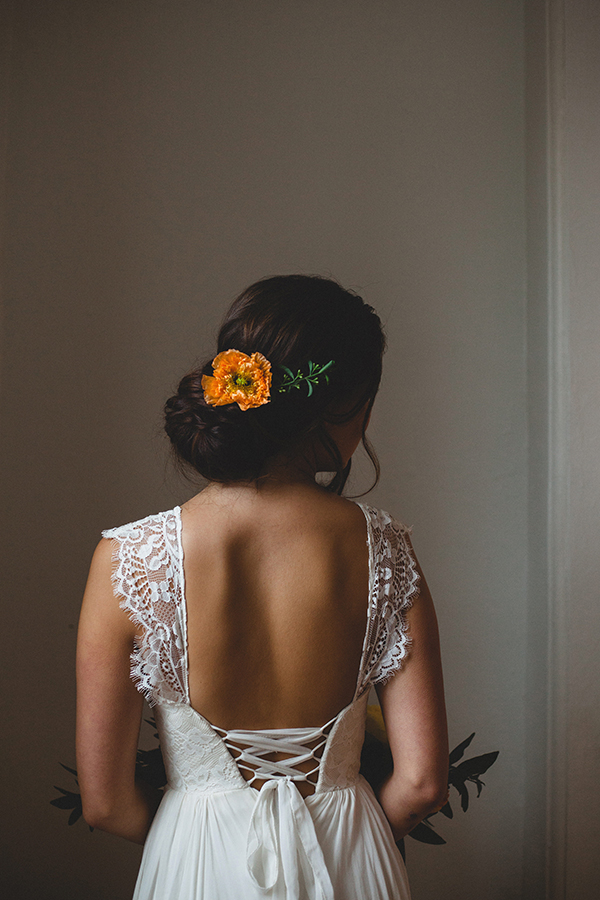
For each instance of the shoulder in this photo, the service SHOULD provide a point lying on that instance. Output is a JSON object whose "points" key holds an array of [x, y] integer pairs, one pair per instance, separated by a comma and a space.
{"points": [[156, 523], [336, 521], [143, 554], [146, 545], [393, 556], [387, 536], [384, 522]]}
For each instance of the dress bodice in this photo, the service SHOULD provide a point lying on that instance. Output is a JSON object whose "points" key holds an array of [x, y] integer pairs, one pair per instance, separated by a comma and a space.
{"points": [[148, 579], [196, 757]]}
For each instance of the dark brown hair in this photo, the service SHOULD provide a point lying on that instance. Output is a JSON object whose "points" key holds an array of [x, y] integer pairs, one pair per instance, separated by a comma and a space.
{"points": [[291, 320]]}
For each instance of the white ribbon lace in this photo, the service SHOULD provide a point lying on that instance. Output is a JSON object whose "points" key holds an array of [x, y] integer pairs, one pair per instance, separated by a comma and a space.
{"points": [[256, 745], [280, 826]]}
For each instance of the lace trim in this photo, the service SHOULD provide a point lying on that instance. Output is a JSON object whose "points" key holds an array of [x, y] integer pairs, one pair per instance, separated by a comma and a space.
{"points": [[394, 584], [194, 756], [147, 578], [340, 763]]}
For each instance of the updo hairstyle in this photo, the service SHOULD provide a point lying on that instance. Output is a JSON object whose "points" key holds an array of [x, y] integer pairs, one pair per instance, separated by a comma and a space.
{"points": [[290, 319]]}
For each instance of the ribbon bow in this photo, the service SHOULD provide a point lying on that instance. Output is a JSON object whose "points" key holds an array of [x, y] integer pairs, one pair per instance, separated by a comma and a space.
{"points": [[280, 824]]}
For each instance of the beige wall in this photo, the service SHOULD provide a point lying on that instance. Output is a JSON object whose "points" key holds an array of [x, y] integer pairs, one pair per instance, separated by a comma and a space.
{"points": [[576, 612], [161, 156]]}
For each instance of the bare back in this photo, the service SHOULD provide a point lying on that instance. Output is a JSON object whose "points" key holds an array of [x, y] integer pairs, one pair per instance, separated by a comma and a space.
{"points": [[276, 584]]}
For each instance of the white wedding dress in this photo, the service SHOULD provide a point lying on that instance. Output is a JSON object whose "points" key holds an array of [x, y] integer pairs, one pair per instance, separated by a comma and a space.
{"points": [[215, 836]]}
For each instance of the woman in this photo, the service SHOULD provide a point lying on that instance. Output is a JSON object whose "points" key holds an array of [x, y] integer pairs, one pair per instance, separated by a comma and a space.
{"points": [[260, 613]]}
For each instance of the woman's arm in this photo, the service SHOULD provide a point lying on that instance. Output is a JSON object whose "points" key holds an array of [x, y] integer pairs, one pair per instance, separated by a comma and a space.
{"points": [[109, 711], [413, 708]]}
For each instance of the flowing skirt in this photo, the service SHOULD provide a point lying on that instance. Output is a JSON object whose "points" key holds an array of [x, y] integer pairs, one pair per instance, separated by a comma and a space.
{"points": [[238, 845]]}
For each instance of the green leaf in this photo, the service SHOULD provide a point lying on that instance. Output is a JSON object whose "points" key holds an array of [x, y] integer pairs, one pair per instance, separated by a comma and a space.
{"points": [[425, 833], [75, 815], [69, 801], [464, 796], [460, 749], [446, 810], [376, 761], [471, 768], [150, 767], [152, 723], [312, 377]]}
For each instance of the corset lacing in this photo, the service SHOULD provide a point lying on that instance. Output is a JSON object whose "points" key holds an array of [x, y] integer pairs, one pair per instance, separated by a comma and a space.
{"points": [[280, 820], [250, 750]]}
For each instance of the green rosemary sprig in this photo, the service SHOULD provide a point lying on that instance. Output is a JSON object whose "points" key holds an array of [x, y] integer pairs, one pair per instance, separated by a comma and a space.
{"points": [[315, 372]]}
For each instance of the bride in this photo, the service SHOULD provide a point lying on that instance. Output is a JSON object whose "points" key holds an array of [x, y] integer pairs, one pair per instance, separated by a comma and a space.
{"points": [[255, 619]]}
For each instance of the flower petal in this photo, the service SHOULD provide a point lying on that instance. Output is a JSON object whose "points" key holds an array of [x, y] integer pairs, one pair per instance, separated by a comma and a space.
{"points": [[238, 378]]}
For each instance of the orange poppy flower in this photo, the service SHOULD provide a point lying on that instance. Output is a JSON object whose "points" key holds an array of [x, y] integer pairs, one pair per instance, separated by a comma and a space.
{"points": [[238, 378]]}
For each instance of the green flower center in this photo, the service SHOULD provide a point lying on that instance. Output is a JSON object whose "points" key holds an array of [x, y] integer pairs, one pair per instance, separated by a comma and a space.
{"points": [[241, 380]]}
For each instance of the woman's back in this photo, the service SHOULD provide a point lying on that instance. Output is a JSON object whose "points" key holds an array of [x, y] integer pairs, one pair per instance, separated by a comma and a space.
{"points": [[259, 616], [276, 586]]}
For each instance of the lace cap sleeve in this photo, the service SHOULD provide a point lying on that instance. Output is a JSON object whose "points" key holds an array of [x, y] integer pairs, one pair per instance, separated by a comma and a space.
{"points": [[394, 584], [147, 580]]}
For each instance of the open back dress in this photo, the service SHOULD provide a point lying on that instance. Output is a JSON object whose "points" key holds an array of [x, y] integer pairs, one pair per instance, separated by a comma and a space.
{"points": [[215, 836]]}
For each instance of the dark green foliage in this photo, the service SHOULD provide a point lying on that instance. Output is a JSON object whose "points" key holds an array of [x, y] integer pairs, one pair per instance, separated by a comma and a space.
{"points": [[376, 764], [375, 761], [149, 767], [149, 764], [70, 799], [426, 834], [469, 770], [458, 751]]}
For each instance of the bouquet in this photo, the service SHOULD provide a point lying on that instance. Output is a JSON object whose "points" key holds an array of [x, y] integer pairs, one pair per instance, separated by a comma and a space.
{"points": [[376, 764]]}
